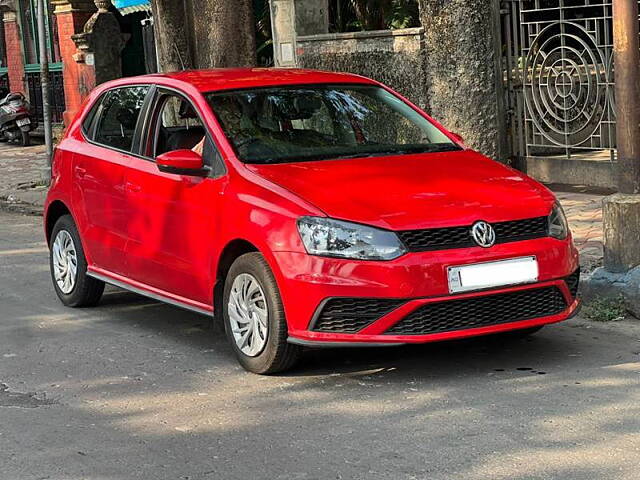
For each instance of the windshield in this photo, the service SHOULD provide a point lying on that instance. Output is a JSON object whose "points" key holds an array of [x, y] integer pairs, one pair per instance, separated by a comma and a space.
{"points": [[301, 123]]}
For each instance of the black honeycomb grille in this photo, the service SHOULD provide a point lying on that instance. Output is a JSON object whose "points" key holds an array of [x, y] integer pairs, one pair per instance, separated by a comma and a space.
{"points": [[573, 281], [481, 311], [349, 315], [460, 237]]}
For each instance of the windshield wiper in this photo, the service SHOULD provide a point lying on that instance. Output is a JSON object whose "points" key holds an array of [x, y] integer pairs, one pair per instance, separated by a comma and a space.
{"points": [[427, 148], [432, 148]]}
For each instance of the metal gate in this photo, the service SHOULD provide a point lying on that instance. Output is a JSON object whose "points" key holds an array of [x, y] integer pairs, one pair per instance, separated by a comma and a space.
{"points": [[559, 77], [56, 95]]}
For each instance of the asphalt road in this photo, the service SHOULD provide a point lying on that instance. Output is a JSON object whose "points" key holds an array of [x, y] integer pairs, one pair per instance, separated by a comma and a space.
{"points": [[134, 389]]}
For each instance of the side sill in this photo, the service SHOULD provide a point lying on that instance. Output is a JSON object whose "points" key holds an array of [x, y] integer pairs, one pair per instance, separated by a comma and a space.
{"points": [[322, 344], [144, 293]]}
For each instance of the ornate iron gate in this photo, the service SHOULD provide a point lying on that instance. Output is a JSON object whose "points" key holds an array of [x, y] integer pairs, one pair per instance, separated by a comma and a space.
{"points": [[559, 77]]}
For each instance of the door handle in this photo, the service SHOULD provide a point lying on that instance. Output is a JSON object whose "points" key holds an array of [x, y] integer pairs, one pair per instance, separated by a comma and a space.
{"points": [[132, 187]]}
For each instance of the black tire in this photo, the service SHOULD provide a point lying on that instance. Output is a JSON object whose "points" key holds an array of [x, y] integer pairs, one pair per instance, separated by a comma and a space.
{"points": [[25, 139], [278, 355], [87, 291]]}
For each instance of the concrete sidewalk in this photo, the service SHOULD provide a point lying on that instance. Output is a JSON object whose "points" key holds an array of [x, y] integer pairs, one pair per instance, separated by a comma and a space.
{"points": [[20, 186], [21, 175], [584, 212]]}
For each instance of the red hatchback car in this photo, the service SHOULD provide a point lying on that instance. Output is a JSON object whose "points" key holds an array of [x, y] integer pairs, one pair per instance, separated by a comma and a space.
{"points": [[306, 209]]}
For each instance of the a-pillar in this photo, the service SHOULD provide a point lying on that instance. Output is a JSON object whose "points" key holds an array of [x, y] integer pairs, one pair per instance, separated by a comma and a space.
{"points": [[71, 16], [15, 58]]}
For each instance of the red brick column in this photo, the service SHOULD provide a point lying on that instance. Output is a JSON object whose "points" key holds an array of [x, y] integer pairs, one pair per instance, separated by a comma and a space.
{"points": [[15, 58], [71, 17]]}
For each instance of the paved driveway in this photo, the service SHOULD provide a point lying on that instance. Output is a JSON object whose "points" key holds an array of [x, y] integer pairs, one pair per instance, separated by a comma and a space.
{"points": [[133, 389]]}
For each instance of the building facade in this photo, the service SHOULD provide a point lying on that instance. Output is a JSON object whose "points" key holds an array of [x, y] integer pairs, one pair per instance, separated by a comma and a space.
{"points": [[88, 41]]}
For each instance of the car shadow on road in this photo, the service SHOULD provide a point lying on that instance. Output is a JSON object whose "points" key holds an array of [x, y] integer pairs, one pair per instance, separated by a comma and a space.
{"points": [[502, 354]]}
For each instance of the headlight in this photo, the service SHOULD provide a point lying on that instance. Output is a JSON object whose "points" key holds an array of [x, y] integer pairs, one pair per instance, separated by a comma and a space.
{"points": [[558, 227], [335, 238]]}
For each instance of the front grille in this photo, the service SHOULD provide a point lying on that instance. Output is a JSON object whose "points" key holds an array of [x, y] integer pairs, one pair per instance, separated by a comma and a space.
{"points": [[348, 315], [481, 311], [573, 281], [460, 237], [521, 229]]}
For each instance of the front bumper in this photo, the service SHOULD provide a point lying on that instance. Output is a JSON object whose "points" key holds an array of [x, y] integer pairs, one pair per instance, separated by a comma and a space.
{"points": [[415, 280]]}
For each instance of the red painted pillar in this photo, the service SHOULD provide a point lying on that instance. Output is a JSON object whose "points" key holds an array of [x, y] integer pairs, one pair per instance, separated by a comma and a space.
{"points": [[71, 17], [15, 58]]}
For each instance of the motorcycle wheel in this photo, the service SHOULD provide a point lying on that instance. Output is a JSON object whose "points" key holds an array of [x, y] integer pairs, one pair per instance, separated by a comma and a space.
{"points": [[26, 139]]}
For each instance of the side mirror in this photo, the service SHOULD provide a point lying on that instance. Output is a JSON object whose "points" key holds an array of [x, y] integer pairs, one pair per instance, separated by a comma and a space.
{"points": [[182, 162], [457, 137]]}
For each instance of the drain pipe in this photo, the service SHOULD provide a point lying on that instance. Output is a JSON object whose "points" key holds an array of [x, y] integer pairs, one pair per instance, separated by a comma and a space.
{"points": [[44, 82]]}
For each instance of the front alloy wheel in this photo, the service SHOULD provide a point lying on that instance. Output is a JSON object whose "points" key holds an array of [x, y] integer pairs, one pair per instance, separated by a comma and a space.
{"points": [[254, 317], [248, 315]]}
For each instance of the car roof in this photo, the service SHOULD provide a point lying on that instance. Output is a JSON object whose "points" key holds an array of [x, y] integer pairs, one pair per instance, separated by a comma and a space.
{"points": [[236, 78]]}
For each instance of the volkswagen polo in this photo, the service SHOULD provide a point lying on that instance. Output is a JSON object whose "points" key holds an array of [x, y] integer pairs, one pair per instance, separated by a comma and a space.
{"points": [[304, 209]]}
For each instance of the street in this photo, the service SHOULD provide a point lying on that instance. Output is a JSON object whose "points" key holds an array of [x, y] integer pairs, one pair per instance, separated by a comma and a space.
{"points": [[135, 389]]}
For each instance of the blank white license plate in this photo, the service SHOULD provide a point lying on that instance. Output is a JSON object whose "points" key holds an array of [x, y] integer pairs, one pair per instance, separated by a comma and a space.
{"points": [[479, 276], [23, 121]]}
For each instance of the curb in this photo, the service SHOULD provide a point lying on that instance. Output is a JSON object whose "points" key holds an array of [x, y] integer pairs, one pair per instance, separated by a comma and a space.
{"points": [[603, 284], [18, 206]]}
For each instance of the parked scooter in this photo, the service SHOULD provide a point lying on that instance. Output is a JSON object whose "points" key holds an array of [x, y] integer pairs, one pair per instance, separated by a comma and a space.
{"points": [[15, 119]]}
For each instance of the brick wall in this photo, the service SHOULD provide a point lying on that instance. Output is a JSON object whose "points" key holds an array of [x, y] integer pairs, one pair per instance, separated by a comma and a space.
{"points": [[15, 62], [75, 85]]}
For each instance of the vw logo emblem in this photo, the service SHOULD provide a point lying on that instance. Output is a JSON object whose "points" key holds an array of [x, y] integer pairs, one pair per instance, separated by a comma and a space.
{"points": [[483, 234]]}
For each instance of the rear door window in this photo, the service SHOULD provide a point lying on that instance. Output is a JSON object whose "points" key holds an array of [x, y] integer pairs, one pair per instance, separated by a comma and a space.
{"points": [[119, 116]]}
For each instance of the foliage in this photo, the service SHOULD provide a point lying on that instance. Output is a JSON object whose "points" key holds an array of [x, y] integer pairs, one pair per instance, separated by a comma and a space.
{"points": [[372, 14], [605, 309], [264, 42], [405, 14], [354, 15]]}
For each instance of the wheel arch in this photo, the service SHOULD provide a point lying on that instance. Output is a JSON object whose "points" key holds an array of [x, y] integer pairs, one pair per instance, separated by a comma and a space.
{"points": [[232, 250], [56, 209]]}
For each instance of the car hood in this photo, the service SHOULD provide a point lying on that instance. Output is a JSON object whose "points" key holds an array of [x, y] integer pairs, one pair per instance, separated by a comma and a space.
{"points": [[413, 191]]}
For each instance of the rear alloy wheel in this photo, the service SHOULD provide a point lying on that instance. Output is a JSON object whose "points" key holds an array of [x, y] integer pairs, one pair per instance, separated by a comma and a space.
{"points": [[69, 267], [65, 262], [254, 317]]}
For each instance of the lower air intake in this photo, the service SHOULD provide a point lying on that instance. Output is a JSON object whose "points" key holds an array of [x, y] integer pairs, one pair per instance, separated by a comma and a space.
{"points": [[349, 315], [482, 311]]}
